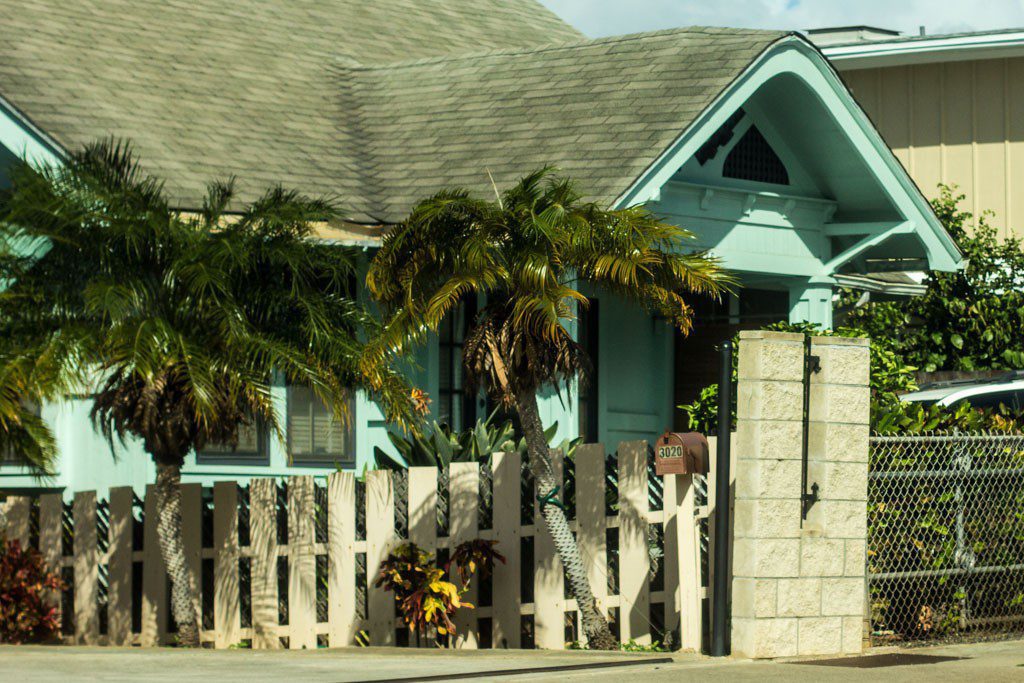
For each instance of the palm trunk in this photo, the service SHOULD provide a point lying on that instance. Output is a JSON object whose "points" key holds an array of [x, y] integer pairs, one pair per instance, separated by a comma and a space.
{"points": [[184, 601], [595, 625]]}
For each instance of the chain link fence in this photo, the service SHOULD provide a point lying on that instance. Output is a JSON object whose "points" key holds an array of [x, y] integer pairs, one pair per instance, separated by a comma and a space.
{"points": [[946, 537]]}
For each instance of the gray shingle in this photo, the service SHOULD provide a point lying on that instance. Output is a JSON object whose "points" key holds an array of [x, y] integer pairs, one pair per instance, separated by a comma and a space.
{"points": [[309, 94]]}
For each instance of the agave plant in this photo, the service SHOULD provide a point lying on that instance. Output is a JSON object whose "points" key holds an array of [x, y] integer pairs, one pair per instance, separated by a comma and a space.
{"points": [[438, 446]]}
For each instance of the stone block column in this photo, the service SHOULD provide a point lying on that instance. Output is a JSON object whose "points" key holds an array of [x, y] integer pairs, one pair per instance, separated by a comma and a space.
{"points": [[798, 585]]}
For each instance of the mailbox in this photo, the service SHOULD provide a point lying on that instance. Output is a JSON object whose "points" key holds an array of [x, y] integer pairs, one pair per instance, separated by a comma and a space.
{"points": [[681, 453]]}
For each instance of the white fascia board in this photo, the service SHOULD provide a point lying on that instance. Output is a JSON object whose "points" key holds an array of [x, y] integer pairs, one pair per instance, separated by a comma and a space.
{"points": [[926, 50], [26, 140], [867, 284], [795, 56]]}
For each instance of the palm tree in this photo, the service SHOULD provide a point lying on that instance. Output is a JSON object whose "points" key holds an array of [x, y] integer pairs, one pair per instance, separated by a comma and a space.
{"points": [[528, 252], [185, 320]]}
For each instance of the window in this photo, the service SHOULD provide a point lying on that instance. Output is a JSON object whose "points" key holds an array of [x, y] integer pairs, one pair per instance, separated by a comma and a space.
{"points": [[753, 159], [455, 406], [315, 436], [250, 449], [587, 324]]}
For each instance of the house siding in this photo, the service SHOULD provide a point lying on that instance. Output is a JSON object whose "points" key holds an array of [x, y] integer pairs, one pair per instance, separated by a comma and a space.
{"points": [[958, 123]]}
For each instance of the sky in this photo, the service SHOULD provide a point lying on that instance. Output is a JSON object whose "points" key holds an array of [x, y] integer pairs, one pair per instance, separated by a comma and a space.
{"points": [[598, 18]]}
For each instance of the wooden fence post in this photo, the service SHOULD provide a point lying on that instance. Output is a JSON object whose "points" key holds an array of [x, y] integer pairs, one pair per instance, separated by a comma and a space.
{"points": [[341, 562], [682, 562], [119, 567], [87, 568], [634, 556], [506, 471], [380, 531], [263, 541], [301, 565], [548, 578], [226, 599], [591, 519], [465, 526]]}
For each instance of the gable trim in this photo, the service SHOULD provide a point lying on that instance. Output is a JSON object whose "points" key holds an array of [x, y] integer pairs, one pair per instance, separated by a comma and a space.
{"points": [[794, 55], [26, 140]]}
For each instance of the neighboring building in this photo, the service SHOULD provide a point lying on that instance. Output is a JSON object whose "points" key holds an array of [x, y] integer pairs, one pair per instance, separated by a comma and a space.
{"points": [[950, 106], [749, 138]]}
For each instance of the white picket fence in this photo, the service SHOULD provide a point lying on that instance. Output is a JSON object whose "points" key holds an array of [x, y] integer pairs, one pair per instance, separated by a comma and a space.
{"points": [[303, 575]]}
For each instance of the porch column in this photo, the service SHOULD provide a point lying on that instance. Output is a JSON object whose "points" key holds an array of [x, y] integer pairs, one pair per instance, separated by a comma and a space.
{"points": [[811, 300]]}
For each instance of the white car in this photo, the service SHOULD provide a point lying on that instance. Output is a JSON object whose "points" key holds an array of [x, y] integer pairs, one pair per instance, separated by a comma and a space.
{"points": [[1007, 390]]}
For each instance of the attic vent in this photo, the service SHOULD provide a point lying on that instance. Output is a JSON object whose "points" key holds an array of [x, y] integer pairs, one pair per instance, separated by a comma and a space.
{"points": [[753, 159]]}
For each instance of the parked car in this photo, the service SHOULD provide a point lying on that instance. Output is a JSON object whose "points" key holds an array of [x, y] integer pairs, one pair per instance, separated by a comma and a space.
{"points": [[1006, 390]]}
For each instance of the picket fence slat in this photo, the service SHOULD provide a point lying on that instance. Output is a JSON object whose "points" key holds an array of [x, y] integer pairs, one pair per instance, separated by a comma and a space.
{"points": [[302, 565], [227, 619], [17, 513], [590, 519], [51, 512], [634, 596], [192, 535], [283, 533], [380, 530], [465, 526], [154, 579], [87, 620], [506, 473], [548, 581], [119, 567], [423, 518], [341, 534], [263, 541]]}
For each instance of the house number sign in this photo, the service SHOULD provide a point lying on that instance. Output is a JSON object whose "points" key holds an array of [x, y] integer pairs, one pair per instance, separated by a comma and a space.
{"points": [[681, 453]]}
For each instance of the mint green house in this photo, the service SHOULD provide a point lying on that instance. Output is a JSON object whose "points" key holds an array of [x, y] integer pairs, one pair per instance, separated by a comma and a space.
{"points": [[748, 138]]}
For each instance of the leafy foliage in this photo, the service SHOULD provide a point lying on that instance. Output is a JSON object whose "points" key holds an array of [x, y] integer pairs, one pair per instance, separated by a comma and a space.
{"points": [[184, 319], [967, 320], [528, 252], [423, 593], [26, 587], [889, 375]]}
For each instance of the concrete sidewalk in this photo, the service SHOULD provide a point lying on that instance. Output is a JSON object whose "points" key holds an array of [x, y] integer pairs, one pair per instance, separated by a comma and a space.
{"points": [[978, 662]]}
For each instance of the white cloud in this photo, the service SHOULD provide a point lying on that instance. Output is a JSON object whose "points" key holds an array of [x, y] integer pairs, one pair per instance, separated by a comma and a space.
{"points": [[609, 17]]}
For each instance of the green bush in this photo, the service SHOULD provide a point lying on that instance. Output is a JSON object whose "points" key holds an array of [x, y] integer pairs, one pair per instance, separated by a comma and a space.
{"points": [[26, 615]]}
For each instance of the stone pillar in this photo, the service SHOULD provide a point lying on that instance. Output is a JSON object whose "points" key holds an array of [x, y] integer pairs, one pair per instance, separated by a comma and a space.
{"points": [[798, 587]]}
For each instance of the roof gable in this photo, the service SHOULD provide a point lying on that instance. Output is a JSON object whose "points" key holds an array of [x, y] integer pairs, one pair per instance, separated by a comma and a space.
{"points": [[877, 201]]}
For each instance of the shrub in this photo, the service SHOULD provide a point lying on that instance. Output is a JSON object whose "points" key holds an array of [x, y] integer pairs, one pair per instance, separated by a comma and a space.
{"points": [[25, 616], [424, 595]]}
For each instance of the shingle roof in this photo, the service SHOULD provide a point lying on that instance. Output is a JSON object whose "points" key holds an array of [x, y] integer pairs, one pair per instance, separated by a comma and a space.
{"points": [[599, 110], [309, 93]]}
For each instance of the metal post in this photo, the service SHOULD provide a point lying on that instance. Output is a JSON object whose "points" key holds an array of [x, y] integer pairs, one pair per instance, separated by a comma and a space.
{"points": [[719, 614]]}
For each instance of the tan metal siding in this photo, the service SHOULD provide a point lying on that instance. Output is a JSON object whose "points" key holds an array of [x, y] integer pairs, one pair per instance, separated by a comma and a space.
{"points": [[958, 123]]}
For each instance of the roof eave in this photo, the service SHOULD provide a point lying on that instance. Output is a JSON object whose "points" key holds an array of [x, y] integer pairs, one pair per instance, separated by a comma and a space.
{"points": [[926, 50]]}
